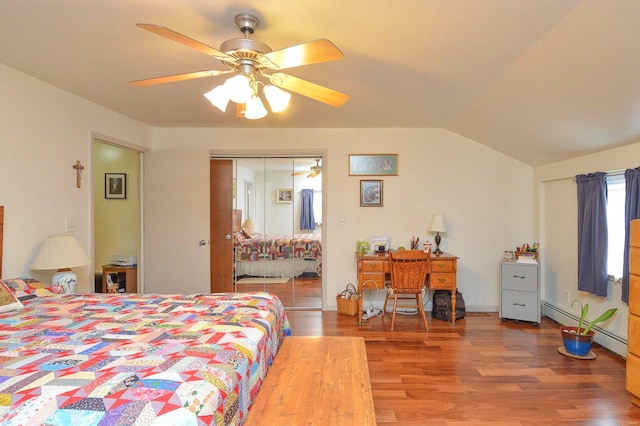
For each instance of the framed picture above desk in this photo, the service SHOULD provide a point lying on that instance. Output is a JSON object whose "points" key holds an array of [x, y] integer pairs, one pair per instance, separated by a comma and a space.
{"points": [[373, 270]]}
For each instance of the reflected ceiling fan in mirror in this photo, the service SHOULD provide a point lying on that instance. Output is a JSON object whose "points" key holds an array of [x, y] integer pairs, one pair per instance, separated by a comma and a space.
{"points": [[313, 170], [250, 61]]}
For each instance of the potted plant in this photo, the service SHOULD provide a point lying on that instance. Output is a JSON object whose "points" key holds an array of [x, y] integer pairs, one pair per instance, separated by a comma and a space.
{"points": [[578, 340]]}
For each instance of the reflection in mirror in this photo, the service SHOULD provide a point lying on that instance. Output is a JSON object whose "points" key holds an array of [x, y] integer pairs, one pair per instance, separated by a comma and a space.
{"points": [[281, 198]]}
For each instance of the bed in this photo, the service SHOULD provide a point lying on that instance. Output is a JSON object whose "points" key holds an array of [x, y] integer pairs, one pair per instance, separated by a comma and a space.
{"points": [[98, 359], [283, 256], [129, 359]]}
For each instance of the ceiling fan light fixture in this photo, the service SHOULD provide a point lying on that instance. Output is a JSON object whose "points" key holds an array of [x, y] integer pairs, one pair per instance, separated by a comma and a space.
{"points": [[239, 88], [218, 97], [278, 99], [255, 109]]}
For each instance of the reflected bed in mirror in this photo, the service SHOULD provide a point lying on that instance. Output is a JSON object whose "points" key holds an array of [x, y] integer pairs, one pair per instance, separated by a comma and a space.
{"points": [[283, 256]]}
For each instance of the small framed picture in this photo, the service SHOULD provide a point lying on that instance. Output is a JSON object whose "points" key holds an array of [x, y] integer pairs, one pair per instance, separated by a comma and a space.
{"points": [[373, 165], [284, 196], [115, 186], [371, 193]]}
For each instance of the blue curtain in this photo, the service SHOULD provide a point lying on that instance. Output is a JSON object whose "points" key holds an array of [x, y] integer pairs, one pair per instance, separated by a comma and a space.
{"points": [[592, 233], [307, 221], [631, 212]]}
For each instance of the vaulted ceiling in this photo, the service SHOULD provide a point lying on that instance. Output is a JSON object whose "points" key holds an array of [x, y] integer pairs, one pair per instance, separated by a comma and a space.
{"points": [[539, 80]]}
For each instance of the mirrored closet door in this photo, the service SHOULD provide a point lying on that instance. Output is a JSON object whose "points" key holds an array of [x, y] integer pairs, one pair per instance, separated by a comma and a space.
{"points": [[277, 228]]}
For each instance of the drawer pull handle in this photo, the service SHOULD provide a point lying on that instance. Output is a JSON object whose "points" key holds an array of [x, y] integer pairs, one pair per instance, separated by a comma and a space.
{"points": [[519, 276], [519, 304], [441, 265], [442, 280]]}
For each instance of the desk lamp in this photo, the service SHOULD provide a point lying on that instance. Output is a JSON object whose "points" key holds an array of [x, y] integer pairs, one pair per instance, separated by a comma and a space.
{"points": [[438, 226], [61, 252]]}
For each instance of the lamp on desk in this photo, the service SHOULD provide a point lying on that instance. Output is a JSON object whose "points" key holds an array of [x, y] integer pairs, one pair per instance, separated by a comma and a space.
{"points": [[438, 226], [61, 252]]}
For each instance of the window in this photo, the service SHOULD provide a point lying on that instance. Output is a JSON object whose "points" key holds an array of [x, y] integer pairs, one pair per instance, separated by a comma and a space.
{"points": [[317, 206], [615, 224]]}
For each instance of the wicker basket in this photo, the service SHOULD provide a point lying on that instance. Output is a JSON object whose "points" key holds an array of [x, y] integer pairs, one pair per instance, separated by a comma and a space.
{"points": [[347, 301]]}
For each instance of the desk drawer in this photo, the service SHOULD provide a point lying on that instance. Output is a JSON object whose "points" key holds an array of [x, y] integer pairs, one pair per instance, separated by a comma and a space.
{"points": [[442, 265], [520, 277], [372, 280], [520, 305], [372, 265], [441, 281]]}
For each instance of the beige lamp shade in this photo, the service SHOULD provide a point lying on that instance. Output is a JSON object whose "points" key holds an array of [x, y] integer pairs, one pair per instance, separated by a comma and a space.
{"points": [[249, 224], [59, 252], [437, 224]]}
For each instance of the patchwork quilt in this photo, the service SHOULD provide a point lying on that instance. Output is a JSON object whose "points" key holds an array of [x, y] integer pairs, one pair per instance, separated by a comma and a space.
{"points": [[126, 359], [277, 247]]}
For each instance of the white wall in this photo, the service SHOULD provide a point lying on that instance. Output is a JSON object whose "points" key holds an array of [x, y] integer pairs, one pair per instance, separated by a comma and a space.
{"points": [[43, 132], [486, 197], [556, 226]]}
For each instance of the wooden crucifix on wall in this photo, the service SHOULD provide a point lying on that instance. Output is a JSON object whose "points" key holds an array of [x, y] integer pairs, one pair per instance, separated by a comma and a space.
{"points": [[79, 168]]}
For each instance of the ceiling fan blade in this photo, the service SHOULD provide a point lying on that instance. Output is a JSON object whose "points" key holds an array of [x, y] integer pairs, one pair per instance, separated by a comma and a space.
{"points": [[308, 89], [298, 173], [313, 174], [178, 77], [312, 52], [187, 41]]}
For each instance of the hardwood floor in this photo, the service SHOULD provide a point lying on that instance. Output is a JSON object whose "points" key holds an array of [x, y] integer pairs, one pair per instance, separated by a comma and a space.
{"points": [[481, 371], [302, 292]]}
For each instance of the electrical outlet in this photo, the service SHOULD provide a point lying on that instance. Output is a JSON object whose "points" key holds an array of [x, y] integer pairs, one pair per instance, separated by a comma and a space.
{"points": [[70, 225]]}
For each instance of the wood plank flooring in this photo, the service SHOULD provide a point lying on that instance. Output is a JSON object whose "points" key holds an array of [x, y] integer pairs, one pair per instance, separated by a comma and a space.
{"points": [[481, 371], [303, 292]]}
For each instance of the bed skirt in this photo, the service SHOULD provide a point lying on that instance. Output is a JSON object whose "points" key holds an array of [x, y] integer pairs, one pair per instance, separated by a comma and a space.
{"points": [[286, 268]]}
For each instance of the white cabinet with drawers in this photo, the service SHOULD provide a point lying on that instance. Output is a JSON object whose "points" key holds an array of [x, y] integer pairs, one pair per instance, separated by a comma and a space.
{"points": [[519, 292]]}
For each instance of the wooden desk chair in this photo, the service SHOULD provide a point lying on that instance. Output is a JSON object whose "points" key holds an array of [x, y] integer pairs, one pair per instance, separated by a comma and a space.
{"points": [[408, 270]]}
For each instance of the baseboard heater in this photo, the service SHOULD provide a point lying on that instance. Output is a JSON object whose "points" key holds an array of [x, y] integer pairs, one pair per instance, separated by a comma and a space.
{"points": [[604, 337]]}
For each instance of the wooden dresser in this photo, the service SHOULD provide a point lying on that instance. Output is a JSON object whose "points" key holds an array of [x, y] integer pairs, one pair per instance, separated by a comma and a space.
{"points": [[633, 342], [373, 269]]}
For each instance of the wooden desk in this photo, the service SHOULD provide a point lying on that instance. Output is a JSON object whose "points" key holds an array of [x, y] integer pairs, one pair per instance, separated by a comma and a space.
{"points": [[316, 381], [372, 271], [131, 276]]}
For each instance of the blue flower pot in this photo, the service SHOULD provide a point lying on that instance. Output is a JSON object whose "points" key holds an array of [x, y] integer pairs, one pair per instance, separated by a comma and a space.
{"points": [[576, 344]]}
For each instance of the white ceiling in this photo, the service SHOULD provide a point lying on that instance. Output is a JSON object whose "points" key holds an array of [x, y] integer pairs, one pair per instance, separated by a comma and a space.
{"points": [[539, 80]]}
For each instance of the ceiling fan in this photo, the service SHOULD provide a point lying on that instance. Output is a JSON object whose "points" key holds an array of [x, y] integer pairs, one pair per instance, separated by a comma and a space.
{"points": [[313, 170], [249, 59]]}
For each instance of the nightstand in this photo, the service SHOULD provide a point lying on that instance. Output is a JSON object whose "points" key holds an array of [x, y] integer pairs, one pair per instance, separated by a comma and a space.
{"points": [[130, 276]]}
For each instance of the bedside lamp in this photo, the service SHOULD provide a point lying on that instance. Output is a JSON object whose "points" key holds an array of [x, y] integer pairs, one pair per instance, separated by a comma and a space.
{"points": [[437, 226], [61, 252], [249, 224]]}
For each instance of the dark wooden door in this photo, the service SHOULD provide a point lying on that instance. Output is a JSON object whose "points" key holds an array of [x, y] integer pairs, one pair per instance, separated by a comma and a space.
{"points": [[221, 180]]}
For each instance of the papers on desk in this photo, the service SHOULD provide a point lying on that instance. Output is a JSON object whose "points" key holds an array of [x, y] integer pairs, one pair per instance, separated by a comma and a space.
{"points": [[527, 258]]}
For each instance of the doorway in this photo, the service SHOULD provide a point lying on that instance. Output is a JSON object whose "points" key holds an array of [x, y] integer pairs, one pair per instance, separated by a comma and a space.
{"points": [[116, 214], [274, 250]]}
